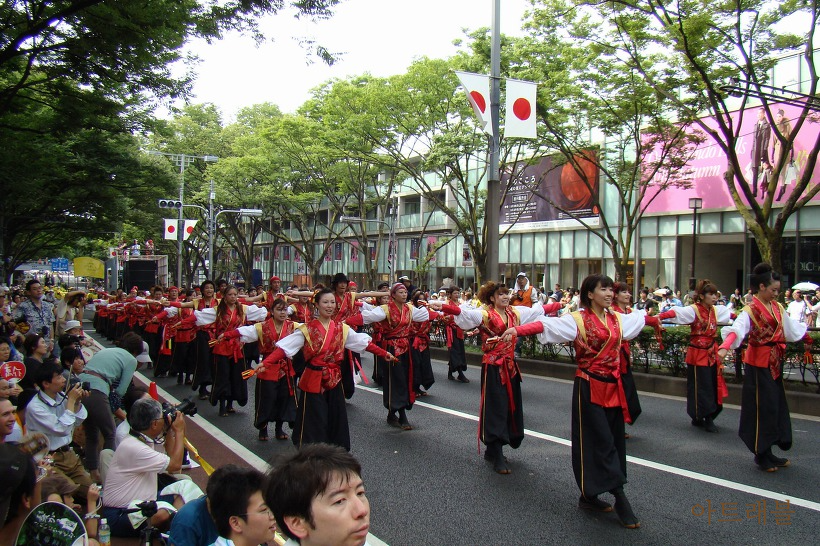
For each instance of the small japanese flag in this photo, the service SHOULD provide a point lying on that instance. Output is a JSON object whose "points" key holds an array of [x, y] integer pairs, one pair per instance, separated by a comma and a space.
{"points": [[171, 228], [112, 252], [477, 87], [520, 119], [189, 228]]}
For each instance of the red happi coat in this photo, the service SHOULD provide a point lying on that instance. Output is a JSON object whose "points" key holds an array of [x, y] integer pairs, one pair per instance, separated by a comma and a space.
{"points": [[152, 309], [268, 336], [345, 306], [270, 299], [500, 353], [396, 327], [702, 347], [185, 332], [323, 352], [230, 320], [420, 332], [597, 348], [302, 312], [201, 304], [767, 341]]}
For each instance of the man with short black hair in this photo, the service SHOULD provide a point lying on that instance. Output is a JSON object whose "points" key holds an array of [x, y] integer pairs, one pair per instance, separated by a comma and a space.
{"points": [[239, 511], [56, 415], [317, 497], [36, 311]]}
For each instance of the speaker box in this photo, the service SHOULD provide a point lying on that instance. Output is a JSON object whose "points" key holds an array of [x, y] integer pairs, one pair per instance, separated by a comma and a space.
{"points": [[139, 273]]}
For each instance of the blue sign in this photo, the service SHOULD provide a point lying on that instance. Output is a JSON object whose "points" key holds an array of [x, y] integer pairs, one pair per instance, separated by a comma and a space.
{"points": [[59, 264]]}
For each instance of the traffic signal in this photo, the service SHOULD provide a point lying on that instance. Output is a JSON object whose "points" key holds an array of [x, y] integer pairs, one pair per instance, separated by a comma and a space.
{"points": [[169, 204]]}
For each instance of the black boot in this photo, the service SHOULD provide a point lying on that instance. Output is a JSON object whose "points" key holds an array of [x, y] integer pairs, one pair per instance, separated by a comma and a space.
{"points": [[403, 421], [709, 425], [594, 503], [462, 378], [222, 411], [392, 420], [624, 509], [763, 460], [777, 461], [180, 378]]}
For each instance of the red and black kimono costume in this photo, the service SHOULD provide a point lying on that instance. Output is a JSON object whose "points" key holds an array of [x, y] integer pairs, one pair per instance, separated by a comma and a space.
{"points": [[165, 358], [599, 406], [182, 324], [204, 354], [630, 389], [301, 313], [765, 420], [501, 413], [121, 321], [229, 361], [321, 414], [151, 329], [420, 355], [703, 367], [397, 377], [274, 399], [454, 336], [346, 308]]}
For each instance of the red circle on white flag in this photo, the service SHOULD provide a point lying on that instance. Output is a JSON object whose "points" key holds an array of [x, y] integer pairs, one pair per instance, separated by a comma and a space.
{"points": [[522, 109], [189, 229], [171, 229], [479, 99]]}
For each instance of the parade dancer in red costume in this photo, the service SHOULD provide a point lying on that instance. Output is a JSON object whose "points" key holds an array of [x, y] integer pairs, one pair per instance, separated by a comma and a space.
{"points": [[275, 381], [397, 377], [457, 361], [764, 413], [622, 304], [599, 407], [321, 414], [704, 369], [420, 350], [501, 413]]}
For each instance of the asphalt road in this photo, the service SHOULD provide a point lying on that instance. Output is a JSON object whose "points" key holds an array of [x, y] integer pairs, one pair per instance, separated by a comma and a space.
{"points": [[432, 486]]}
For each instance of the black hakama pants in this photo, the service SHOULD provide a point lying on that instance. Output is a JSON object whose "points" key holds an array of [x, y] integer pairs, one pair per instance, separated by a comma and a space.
{"points": [[631, 392], [184, 357], [322, 418], [764, 413], [203, 373], [497, 424], [458, 359], [273, 402], [422, 369], [228, 383], [152, 339], [347, 366], [701, 392], [397, 378], [251, 352], [598, 444]]}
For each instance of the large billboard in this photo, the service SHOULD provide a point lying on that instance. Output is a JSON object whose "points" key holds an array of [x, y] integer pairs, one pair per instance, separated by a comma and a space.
{"points": [[757, 150], [569, 196]]}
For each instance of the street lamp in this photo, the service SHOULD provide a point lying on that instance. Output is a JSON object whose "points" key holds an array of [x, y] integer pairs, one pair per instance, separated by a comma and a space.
{"points": [[212, 231], [390, 237], [182, 161], [695, 203]]}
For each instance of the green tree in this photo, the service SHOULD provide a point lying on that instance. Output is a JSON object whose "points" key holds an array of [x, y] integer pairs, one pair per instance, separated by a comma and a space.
{"points": [[688, 51]]}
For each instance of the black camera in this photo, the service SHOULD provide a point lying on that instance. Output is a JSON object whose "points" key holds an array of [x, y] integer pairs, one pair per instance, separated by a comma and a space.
{"points": [[186, 407]]}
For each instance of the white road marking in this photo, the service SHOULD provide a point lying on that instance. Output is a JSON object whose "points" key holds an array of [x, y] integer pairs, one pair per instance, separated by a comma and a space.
{"points": [[794, 501]]}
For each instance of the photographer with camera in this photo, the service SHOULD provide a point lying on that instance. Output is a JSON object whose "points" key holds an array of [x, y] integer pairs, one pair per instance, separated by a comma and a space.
{"points": [[132, 477], [55, 411]]}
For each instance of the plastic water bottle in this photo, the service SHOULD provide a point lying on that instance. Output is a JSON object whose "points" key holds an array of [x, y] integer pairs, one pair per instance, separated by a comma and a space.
{"points": [[104, 533]]}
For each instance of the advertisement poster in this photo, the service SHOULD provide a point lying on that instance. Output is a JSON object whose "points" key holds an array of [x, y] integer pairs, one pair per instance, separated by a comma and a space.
{"points": [[328, 251], [337, 252], [354, 251], [372, 246], [431, 245], [466, 256], [286, 253], [572, 195], [414, 249], [276, 252]]}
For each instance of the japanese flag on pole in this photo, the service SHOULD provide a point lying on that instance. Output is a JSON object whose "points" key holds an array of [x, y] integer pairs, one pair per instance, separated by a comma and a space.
{"points": [[477, 87], [189, 229], [520, 119], [171, 226]]}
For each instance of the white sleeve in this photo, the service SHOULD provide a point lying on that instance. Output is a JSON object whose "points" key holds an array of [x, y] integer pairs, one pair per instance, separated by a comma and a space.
{"points": [[292, 343], [530, 314], [557, 329], [255, 314], [376, 314], [683, 315], [248, 334], [792, 329], [206, 316], [723, 313], [172, 311], [356, 341], [633, 323], [469, 318], [421, 314], [366, 305], [739, 327]]}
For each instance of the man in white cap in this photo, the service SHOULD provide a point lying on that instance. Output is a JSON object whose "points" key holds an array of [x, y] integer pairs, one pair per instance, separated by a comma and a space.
{"points": [[408, 284], [524, 294]]}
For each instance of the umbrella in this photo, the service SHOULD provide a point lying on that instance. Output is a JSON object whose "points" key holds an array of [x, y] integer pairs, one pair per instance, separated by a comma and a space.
{"points": [[805, 286], [660, 292]]}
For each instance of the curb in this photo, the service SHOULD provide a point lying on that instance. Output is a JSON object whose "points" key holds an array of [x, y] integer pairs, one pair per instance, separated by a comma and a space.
{"points": [[799, 402]]}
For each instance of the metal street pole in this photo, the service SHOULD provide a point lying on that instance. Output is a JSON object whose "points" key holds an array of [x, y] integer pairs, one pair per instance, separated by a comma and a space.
{"points": [[211, 230], [694, 203], [181, 219], [493, 176]]}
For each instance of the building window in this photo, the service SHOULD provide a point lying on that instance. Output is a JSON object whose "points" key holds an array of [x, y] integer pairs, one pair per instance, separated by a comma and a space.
{"points": [[412, 205]]}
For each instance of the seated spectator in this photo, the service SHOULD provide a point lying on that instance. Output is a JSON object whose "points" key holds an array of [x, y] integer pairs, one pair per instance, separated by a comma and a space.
{"points": [[133, 474], [238, 509], [56, 414], [8, 422], [108, 367], [57, 488], [317, 497], [73, 364], [36, 351], [19, 490]]}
